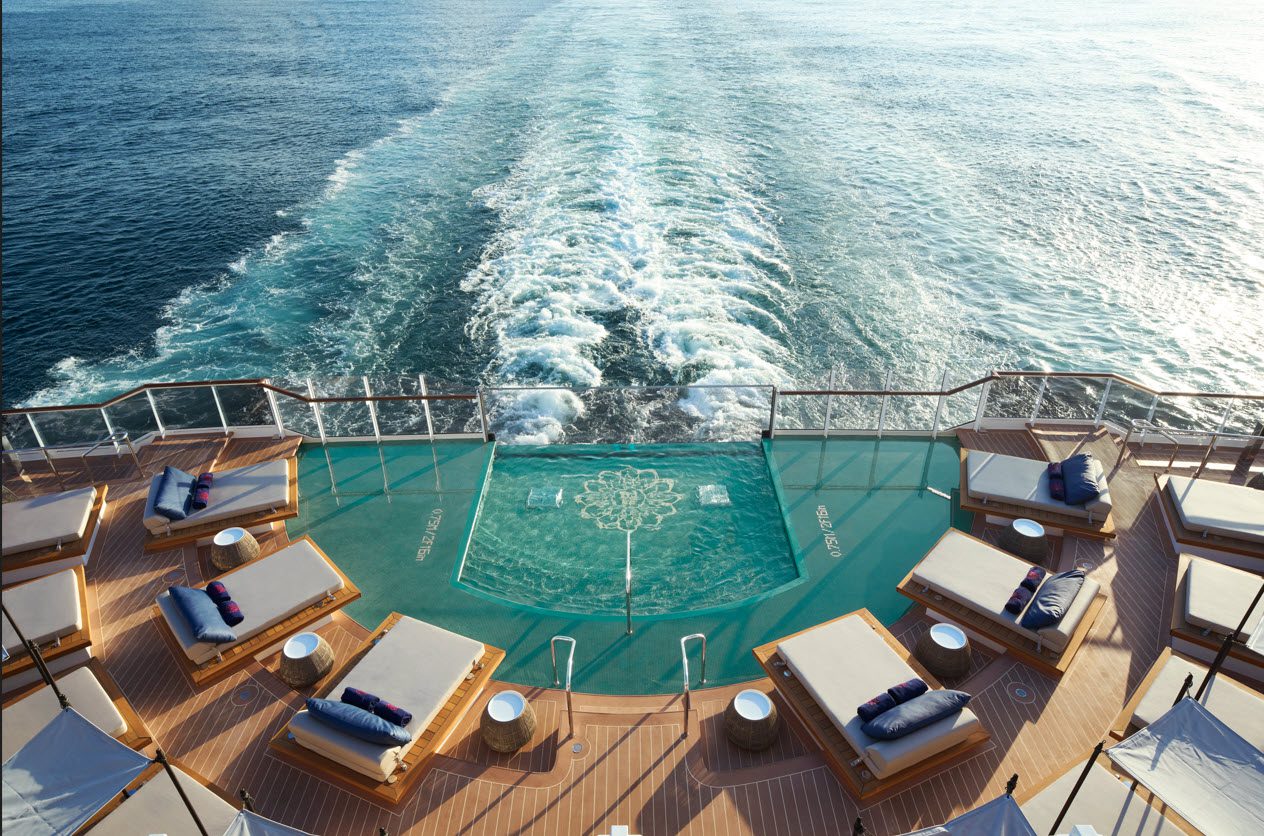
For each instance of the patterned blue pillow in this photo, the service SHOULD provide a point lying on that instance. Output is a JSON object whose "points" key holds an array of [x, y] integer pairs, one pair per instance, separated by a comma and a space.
{"points": [[917, 713], [202, 614], [358, 723]]}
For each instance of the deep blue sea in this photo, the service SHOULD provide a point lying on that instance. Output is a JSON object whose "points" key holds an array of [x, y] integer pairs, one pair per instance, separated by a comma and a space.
{"points": [[630, 191]]}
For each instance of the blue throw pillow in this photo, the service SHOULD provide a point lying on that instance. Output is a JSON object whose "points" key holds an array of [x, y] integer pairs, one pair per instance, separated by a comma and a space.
{"points": [[1052, 600], [1080, 475], [917, 713], [202, 614], [358, 723], [174, 487]]}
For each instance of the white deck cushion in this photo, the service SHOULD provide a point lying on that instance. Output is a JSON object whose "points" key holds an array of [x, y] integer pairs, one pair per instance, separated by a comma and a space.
{"points": [[1209, 507], [981, 577], [51, 520], [416, 666], [845, 663], [1105, 802], [45, 609], [236, 492], [1237, 706], [24, 718], [269, 589], [1216, 596], [156, 808], [1012, 480]]}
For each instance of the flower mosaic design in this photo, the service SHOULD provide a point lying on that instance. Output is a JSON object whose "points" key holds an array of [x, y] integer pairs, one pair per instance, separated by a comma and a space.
{"points": [[628, 498]]}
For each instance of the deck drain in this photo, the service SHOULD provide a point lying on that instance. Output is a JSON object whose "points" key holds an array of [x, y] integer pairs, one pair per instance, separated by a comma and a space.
{"points": [[577, 748], [244, 695], [1022, 694]]}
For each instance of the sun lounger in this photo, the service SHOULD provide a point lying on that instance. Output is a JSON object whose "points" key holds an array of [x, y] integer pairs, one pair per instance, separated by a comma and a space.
{"points": [[249, 497], [46, 534], [1210, 601], [22, 719], [1011, 486], [1215, 520], [970, 581], [431, 672], [837, 666], [1113, 807], [294, 586], [156, 807], [51, 611]]}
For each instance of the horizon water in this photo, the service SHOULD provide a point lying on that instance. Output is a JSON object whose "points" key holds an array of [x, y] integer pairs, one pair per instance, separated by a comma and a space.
{"points": [[600, 193]]}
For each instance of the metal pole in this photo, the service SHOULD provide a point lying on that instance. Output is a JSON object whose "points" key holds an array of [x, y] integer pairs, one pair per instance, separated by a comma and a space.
{"points": [[1040, 396], [1211, 448], [570, 667], [1154, 404], [627, 583], [1011, 784], [35, 655], [162, 759], [1097, 750], [247, 802], [882, 410], [425, 405], [939, 407], [1101, 407], [276, 412], [1228, 643], [48, 457], [684, 663], [772, 414], [829, 401], [1123, 451], [858, 827], [153, 407], [219, 407], [983, 399], [1185, 686], [109, 425], [368, 401], [39, 438], [320, 422], [1224, 421], [482, 412]]}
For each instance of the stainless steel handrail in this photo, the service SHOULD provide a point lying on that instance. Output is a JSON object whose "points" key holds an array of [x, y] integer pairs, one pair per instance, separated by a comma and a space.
{"points": [[1144, 426], [684, 662], [627, 584], [116, 438], [570, 668]]}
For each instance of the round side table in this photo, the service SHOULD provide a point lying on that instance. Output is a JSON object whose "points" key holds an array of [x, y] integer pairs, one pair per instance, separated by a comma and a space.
{"points": [[1025, 539], [945, 651], [232, 547], [750, 721], [305, 659], [508, 722]]}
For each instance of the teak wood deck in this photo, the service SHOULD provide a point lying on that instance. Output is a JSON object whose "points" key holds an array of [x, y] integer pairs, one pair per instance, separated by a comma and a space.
{"points": [[1196, 539], [67, 551], [52, 650], [634, 767], [395, 789], [837, 751]]}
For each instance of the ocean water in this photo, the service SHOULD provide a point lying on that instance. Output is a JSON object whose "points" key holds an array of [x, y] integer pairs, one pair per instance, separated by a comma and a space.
{"points": [[605, 192]]}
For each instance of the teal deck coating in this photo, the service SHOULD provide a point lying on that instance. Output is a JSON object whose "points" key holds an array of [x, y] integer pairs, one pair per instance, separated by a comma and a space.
{"points": [[854, 514]]}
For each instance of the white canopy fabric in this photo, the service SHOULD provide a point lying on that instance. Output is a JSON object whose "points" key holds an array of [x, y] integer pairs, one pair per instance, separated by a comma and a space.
{"points": [[65, 774], [253, 824], [999, 817], [1200, 767]]}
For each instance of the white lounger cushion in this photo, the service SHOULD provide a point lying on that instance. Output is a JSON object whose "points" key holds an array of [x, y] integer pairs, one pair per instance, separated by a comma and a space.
{"points": [[981, 577], [1218, 508], [1105, 802], [156, 808], [1236, 705], [1216, 597], [416, 666], [994, 477], [845, 663], [269, 589], [23, 719], [56, 519], [45, 609], [234, 493]]}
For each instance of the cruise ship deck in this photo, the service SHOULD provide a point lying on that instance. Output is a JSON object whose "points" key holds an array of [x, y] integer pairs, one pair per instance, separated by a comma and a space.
{"points": [[634, 760]]}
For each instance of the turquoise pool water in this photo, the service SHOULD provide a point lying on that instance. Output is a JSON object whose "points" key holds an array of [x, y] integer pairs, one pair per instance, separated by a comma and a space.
{"points": [[832, 527], [701, 521]]}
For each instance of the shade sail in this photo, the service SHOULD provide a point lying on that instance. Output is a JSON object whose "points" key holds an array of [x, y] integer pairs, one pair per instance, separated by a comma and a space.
{"points": [[1200, 767], [999, 817], [253, 824], [63, 775]]}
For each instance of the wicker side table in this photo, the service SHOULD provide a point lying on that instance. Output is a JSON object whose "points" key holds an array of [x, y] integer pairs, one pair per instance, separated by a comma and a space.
{"points": [[1025, 539], [305, 659], [232, 547], [751, 721], [945, 651], [508, 722]]}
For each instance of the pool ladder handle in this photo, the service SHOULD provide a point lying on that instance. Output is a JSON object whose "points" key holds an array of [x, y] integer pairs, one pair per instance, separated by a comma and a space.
{"points": [[570, 668], [684, 663]]}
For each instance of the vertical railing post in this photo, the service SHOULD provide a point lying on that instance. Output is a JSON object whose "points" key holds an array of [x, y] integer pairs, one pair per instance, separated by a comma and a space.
{"points": [[320, 421], [482, 413], [882, 409], [983, 399], [1154, 404], [1101, 406], [939, 406], [219, 407], [684, 663], [109, 425], [276, 411], [153, 407], [570, 668], [368, 401], [1040, 396], [39, 437], [425, 407], [1224, 422], [627, 583], [829, 400], [772, 414]]}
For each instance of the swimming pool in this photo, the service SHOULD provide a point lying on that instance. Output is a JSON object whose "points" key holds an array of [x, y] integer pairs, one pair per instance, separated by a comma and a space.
{"points": [[831, 525]]}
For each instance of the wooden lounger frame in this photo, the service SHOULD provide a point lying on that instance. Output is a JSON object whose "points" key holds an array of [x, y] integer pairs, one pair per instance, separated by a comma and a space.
{"points": [[396, 789], [79, 640], [50, 554], [1103, 530], [154, 772], [184, 536], [1047, 659], [1183, 630], [839, 754], [240, 655], [1195, 539], [137, 735]]}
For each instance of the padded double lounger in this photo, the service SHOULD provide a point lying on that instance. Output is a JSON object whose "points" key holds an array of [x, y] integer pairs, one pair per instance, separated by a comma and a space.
{"points": [[982, 577], [46, 609], [157, 808], [1207, 507], [234, 493], [56, 519], [845, 663], [1112, 807], [1216, 596], [269, 590], [23, 719], [994, 477], [1236, 705], [415, 666]]}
